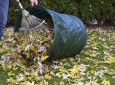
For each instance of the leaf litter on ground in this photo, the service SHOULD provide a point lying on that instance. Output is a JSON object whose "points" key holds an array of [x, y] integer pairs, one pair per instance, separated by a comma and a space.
{"points": [[91, 67]]}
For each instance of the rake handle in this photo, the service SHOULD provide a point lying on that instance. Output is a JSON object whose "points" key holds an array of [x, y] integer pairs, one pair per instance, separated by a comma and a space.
{"points": [[24, 12], [20, 5]]}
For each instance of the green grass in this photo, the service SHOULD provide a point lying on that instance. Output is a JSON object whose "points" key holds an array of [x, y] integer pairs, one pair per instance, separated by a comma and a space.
{"points": [[3, 77]]}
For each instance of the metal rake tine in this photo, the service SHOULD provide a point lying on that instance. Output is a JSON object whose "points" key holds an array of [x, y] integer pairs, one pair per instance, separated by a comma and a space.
{"points": [[37, 21], [32, 24], [20, 35], [39, 24], [39, 28], [37, 32], [34, 20], [43, 25], [44, 28], [28, 37], [23, 34], [29, 22], [34, 36], [25, 37]]}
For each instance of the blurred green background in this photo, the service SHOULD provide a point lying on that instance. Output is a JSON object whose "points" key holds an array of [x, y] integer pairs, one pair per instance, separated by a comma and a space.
{"points": [[86, 10]]}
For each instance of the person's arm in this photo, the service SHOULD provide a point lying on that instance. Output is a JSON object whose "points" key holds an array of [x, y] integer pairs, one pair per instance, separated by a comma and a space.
{"points": [[34, 2]]}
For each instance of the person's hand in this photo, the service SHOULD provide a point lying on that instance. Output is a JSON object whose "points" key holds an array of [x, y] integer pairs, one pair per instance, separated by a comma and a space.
{"points": [[34, 2]]}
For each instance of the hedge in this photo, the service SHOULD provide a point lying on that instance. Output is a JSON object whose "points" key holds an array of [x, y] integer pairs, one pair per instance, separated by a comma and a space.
{"points": [[86, 10]]}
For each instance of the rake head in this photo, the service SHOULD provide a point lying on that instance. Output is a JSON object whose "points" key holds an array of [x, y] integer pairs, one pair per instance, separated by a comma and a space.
{"points": [[31, 22], [33, 28], [35, 33]]}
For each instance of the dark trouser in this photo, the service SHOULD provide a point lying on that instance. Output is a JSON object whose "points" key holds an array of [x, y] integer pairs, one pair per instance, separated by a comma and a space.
{"points": [[4, 5]]}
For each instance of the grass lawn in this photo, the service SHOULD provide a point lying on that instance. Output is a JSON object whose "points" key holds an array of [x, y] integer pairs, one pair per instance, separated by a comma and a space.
{"points": [[95, 65]]}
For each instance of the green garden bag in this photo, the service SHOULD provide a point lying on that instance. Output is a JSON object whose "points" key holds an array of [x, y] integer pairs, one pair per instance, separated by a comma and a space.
{"points": [[69, 32]]}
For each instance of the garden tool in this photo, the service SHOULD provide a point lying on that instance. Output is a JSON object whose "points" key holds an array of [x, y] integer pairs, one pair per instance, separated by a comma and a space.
{"points": [[32, 25], [30, 22]]}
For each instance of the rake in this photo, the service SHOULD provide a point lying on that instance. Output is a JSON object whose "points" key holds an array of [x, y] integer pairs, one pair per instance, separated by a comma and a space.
{"points": [[31, 24], [30, 21]]}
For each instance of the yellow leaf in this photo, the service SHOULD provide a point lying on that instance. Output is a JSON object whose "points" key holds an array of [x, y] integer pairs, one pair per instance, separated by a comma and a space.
{"points": [[61, 67], [48, 77], [52, 73], [44, 40], [27, 83], [2, 50], [59, 74], [14, 66], [94, 83], [93, 55], [92, 71], [11, 73], [22, 61], [74, 69], [9, 66], [43, 58], [105, 46], [1, 62], [37, 78], [111, 60], [61, 83], [106, 82], [27, 74], [93, 44], [11, 81], [34, 73]]}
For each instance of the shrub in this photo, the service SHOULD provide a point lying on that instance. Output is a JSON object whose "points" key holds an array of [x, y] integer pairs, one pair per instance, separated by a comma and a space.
{"points": [[102, 10]]}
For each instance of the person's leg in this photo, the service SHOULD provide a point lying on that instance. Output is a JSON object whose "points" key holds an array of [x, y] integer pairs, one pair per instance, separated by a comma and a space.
{"points": [[4, 5]]}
